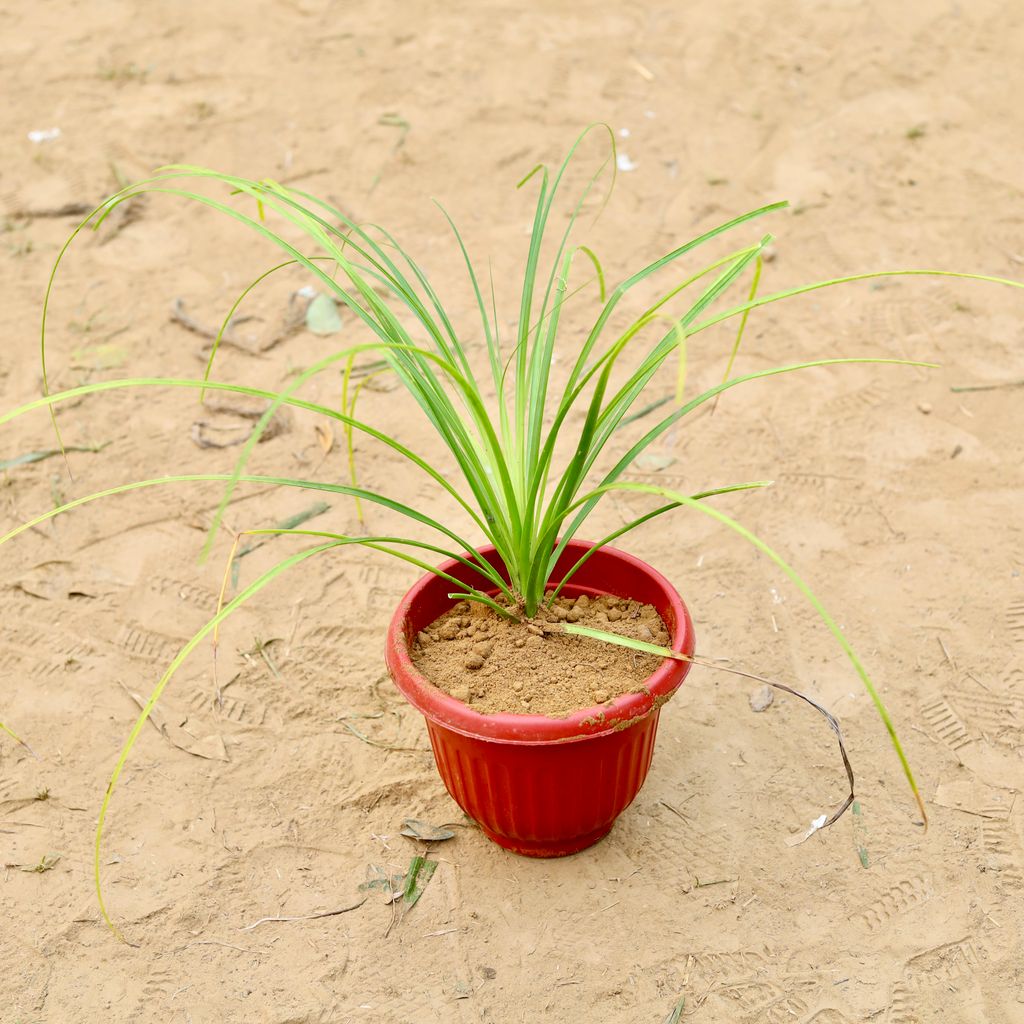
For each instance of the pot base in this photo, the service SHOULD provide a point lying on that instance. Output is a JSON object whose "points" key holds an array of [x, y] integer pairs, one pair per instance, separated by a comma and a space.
{"points": [[547, 848]]}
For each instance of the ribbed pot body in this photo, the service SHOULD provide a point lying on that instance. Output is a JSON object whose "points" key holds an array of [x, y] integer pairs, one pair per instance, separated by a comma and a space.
{"points": [[540, 786]]}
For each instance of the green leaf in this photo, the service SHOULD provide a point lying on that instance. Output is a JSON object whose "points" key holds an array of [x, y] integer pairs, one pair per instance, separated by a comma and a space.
{"points": [[316, 509], [803, 586], [147, 710], [624, 641]]}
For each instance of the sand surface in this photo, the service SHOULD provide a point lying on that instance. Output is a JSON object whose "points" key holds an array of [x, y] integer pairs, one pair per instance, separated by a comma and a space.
{"points": [[894, 130]]}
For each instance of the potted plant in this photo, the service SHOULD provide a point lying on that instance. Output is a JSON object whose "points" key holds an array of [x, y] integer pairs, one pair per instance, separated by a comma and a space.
{"points": [[541, 778]]}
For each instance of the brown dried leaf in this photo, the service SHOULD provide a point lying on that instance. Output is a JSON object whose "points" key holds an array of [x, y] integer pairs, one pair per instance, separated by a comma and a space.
{"points": [[325, 436]]}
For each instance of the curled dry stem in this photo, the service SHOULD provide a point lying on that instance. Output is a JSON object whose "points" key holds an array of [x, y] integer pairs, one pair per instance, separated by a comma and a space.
{"points": [[833, 724]]}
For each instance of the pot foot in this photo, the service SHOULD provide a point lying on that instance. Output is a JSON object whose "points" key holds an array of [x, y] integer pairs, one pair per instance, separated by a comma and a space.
{"points": [[548, 847]]}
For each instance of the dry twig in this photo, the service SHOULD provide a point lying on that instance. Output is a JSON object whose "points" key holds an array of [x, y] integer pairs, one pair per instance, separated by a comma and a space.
{"points": [[304, 917]]}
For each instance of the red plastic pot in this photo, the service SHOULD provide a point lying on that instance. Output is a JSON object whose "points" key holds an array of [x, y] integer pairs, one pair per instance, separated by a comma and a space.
{"points": [[544, 787]]}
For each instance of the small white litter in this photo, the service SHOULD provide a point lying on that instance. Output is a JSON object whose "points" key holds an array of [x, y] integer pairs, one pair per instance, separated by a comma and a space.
{"points": [[43, 135], [623, 162], [802, 837]]}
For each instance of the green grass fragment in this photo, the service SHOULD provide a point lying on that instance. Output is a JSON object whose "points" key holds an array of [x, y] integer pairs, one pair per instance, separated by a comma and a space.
{"points": [[316, 509], [421, 870], [49, 453], [46, 863], [860, 835], [676, 1012]]}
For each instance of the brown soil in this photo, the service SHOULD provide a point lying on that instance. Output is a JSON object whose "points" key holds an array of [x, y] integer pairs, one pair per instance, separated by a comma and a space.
{"points": [[494, 664]]}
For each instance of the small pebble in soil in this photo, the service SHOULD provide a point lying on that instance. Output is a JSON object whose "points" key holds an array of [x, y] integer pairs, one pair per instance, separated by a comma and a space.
{"points": [[574, 615], [645, 633], [600, 696], [519, 642], [474, 662], [517, 686], [534, 629], [761, 700], [582, 602], [461, 693], [483, 648], [614, 615]]}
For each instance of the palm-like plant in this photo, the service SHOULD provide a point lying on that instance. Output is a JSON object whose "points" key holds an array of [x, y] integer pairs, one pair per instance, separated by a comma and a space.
{"points": [[502, 421]]}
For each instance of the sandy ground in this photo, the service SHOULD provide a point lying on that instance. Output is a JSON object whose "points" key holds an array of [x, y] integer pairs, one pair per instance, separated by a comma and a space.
{"points": [[894, 130]]}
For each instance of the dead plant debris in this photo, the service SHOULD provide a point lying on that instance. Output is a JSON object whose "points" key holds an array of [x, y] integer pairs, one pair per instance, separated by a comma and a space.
{"points": [[304, 917], [416, 829]]}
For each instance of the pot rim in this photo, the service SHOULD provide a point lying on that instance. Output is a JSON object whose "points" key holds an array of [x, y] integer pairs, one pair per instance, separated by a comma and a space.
{"points": [[622, 712]]}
